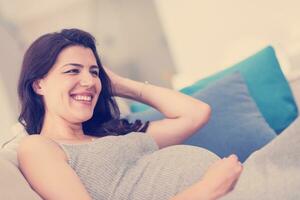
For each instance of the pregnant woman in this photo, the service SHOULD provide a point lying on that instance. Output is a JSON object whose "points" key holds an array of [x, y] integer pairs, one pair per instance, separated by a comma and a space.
{"points": [[79, 148]]}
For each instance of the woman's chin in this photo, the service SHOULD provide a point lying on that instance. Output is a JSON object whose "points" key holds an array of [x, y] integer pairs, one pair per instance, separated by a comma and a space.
{"points": [[81, 117]]}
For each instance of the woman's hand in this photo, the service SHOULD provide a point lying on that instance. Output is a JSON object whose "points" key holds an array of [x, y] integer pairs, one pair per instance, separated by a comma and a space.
{"points": [[222, 176], [219, 180], [113, 76], [115, 80]]}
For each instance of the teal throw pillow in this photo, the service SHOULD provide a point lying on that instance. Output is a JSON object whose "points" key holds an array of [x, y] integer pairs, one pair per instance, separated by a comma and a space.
{"points": [[267, 85]]}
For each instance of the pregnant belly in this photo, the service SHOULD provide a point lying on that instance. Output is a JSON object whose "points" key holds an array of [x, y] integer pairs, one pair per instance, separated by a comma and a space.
{"points": [[172, 169]]}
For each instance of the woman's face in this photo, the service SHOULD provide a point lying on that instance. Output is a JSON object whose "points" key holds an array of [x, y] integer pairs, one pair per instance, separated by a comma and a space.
{"points": [[71, 88]]}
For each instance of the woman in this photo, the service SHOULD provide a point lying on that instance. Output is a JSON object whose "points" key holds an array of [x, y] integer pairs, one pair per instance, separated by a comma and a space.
{"points": [[79, 148]]}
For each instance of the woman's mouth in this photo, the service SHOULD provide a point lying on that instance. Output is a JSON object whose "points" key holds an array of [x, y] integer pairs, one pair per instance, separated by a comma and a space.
{"points": [[84, 99]]}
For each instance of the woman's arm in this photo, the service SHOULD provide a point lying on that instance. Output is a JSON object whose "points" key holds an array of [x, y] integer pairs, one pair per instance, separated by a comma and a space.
{"points": [[44, 166], [219, 180], [184, 114]]}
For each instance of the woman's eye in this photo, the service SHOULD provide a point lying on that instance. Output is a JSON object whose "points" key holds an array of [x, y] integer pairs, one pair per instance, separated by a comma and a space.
{"points": [[72, 71], [95, 72]]}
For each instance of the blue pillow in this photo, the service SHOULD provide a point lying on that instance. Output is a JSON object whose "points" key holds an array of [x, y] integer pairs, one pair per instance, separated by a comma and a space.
{"points": [[267, 85], [236, 125]]}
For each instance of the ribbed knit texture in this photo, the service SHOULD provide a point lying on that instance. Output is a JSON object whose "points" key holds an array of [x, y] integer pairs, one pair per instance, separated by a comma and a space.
{"points": [[132, 167]]}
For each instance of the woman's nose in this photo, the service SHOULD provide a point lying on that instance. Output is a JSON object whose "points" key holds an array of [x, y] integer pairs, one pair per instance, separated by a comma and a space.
{"points": [[86, 80]]}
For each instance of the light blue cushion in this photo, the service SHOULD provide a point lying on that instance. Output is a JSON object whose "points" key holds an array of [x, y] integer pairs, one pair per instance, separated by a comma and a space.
{"points": [[236, 125], [267, 85]]}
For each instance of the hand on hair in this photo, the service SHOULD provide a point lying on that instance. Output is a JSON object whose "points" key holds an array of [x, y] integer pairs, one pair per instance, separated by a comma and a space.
{"points": [[113, 76], [115, 80]]}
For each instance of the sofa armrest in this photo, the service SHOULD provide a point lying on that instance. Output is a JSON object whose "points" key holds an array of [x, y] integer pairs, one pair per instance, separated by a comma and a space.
{"points": [[13, 185]]}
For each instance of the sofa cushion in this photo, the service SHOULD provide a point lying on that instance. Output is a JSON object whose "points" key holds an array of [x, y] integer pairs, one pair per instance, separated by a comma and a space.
{"points": [[236, 125], [273, 172]]}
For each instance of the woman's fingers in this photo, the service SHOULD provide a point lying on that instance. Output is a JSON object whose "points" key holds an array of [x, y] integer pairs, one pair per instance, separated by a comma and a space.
{"points": [[232, 156], [223, 175]]}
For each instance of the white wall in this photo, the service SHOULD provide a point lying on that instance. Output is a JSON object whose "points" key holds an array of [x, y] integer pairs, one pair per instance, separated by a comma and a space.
{"points": [[132, 40], [208, 35], [10, 56]]}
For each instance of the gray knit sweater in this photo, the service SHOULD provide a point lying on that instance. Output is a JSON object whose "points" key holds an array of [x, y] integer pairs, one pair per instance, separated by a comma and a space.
{"points": [[132, 167]]}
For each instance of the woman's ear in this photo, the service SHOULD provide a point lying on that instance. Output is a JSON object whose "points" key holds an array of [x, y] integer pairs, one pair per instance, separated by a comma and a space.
{"points": [[36, 85]]}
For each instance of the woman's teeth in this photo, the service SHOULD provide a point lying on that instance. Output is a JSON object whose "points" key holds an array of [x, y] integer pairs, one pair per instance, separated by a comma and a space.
{"points": [[82, 98]]}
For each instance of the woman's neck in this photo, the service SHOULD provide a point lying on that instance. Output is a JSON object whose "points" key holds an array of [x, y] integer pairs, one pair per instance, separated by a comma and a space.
{"points": [[58, 128]]}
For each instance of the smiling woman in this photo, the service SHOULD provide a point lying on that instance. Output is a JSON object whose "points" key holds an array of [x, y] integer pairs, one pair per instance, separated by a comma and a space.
{"points": [[67, 99], [69, 60]]}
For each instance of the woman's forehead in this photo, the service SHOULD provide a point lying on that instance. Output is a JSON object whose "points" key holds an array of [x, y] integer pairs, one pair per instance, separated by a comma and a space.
{"points": [[76, 54]]}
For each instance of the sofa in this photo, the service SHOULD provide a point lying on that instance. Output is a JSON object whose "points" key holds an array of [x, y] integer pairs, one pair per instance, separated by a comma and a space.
{"points": [[214, 89]]}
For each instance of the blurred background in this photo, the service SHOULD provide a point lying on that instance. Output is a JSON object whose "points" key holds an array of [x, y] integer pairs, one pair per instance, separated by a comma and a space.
{"points": [[171, 43]]}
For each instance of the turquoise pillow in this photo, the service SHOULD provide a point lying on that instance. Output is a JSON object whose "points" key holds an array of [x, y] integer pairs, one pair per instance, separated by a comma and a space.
{"points": [[236, 125], [267, 85]]}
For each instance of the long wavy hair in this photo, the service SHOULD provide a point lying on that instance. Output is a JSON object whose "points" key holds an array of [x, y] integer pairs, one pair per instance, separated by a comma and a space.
{"points": [[37, 62]]}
